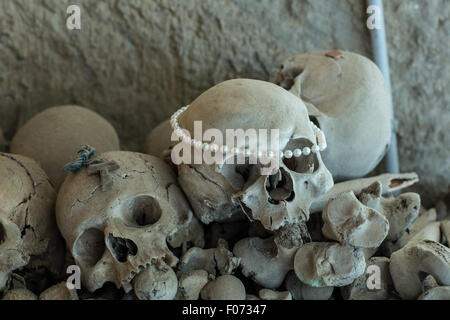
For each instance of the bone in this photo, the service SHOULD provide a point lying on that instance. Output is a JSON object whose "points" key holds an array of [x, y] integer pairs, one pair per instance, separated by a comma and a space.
{"points": [[59, 292], [267, 294], [408, 263], [265, 262], [157, 282], [226, 287], [54, 135], [158, 139], [301, 291], [19, 294], [136, 215], [389, 182], [197, 258], [359, 289], [420, 229], [445, 230], [191, 283], [429, 282], [350, 222], [364, 107], [28, 232], [190, 233], [322, 264], [436, 293], [401, 211], [219, 258], [224, 192]]}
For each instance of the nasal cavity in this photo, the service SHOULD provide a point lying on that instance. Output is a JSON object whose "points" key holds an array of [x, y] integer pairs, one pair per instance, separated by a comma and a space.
{"points": [[280, 187], [121, 248]]}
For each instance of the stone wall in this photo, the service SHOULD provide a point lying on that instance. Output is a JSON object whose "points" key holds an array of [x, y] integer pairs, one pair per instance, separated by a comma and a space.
{"points": [[135, 62]]}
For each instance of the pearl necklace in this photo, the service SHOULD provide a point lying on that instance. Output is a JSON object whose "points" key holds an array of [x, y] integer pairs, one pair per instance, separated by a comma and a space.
{"points": [[199, 145]]}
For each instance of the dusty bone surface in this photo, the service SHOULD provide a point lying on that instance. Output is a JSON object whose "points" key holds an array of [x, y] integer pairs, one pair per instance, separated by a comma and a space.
{"points": [[29, 237], [359, 290], [225, 287], [423, 227], [53, 137], [325, 264], [121, 234], [216, 261], [222, 192], [268, 294], [342, 91], [19, 294], [349, 222], [59, 292], [264, 261], [191, 283], [400, 211], [302, 291], [389, 183], [417, 257]]}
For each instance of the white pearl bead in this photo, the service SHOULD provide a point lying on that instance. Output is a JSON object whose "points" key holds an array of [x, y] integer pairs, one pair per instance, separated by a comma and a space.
{"points": [[248, 153], [187, 139], [270, 154], [205, 146], [297, 152], [315, 148], [306, 151], [235, 151], [224, 149], [198, 144], [288, 154], [259, 154]]}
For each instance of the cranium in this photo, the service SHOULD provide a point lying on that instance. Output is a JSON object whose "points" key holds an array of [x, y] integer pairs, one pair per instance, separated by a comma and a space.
{"points": [[52, 136], [346, 95], [119, 235], [222, 191], [28, 233]]}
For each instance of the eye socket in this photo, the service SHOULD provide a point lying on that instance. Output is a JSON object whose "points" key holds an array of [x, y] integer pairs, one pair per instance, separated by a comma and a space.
{"points": [[89, 247], [303, 164], [144, 211], [280, 187]]}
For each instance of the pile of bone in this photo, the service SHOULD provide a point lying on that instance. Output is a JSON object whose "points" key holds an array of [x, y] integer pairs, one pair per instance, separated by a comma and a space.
{"points": [[127, 225]]}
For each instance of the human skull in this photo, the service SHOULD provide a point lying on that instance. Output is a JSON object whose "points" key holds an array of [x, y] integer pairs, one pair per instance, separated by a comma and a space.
{"points": [[119, 235], [222, 191], [346, 95], [28, 233]]}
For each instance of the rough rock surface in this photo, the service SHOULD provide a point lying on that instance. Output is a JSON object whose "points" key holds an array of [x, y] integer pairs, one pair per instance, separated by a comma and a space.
{"points": [[135, 62]]}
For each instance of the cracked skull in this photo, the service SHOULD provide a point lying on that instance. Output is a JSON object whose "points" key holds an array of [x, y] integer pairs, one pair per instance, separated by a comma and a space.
{"points": [[120, 234], [28, 233], [225, 192], [346, 96]]}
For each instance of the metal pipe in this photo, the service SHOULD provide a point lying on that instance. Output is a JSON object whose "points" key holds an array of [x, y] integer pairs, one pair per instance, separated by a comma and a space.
{"points": [[379, 47]]}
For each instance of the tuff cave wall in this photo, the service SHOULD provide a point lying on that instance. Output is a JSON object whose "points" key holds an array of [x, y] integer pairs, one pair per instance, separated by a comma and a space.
{"points": [[135, 62]]}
